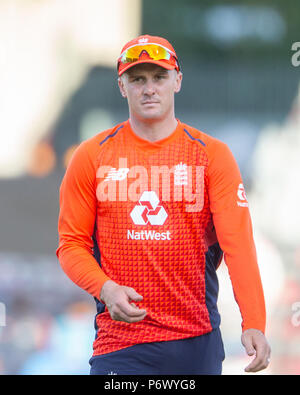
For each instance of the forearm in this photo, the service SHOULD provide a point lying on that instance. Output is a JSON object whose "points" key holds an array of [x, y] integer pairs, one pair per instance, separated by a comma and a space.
{"points": [[248, 293], [82, 268], [76, 223], [241, 260]]}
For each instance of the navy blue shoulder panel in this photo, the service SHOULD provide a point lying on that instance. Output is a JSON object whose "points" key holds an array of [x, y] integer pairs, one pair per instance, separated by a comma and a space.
{"points": [[212, 260], [97, 255], [194, 138], [111, 135]]}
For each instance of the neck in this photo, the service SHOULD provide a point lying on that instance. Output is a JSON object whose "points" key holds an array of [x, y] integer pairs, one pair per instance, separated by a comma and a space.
{"points": [[153, 130]]}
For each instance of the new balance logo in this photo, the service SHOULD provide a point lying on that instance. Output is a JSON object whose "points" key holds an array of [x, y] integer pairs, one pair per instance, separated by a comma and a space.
{"points": [[117, 175], [148, 210]]}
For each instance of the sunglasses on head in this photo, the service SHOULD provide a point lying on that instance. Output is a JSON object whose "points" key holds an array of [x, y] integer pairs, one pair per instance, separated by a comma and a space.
{"points": [[152, 51]]}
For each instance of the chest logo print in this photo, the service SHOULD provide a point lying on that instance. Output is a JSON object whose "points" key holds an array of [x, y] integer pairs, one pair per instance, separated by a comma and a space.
{"points": [[148, 210], [181, 174], [117, 175]]}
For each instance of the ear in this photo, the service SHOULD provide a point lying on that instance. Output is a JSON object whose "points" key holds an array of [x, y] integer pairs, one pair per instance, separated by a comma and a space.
{"points": [[178, 81], [122, 86]]}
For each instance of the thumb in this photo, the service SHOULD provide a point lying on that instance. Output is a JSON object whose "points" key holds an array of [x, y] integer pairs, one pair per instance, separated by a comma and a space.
{"points": [[247, 343], [133, 295]]}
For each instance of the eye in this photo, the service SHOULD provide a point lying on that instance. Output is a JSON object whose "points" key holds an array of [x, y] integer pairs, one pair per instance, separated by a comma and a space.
{"points": [[137, 79], [160, 76]]}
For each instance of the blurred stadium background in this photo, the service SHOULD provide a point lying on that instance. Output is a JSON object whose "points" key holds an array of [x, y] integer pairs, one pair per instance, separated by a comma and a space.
{"points": [[59, 86]]}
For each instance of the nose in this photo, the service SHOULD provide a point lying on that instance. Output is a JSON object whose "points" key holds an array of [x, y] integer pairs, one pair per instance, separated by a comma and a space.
{"points": [[149, 88]]}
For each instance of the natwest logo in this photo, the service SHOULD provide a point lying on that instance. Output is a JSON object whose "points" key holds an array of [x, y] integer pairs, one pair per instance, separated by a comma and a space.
{"points": [[148, 235], [148, 210]]}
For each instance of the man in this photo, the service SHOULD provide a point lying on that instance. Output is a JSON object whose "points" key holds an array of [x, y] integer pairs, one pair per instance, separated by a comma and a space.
{"points": [[147, 210]]}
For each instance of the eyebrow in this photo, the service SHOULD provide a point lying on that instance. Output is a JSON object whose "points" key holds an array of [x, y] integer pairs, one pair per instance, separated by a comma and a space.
{"points": [[137, 73]]}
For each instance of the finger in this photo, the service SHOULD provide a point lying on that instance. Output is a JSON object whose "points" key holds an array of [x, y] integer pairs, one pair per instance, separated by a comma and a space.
{"points": [[131, 311], [256, 366], [261, 360], [132, 320], [133, 295], [119, 315], [253, 366], [247, 342]]}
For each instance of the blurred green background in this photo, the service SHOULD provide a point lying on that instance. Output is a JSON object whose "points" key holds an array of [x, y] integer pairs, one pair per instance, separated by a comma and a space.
{"points": [[59, 87]]}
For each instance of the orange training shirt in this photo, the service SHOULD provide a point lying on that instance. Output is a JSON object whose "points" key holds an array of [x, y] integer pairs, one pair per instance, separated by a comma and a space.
{"points": [[158, 217]]}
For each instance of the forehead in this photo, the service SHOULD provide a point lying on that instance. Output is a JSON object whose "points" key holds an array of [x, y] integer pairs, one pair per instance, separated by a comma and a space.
{"points": [[146, 68]]}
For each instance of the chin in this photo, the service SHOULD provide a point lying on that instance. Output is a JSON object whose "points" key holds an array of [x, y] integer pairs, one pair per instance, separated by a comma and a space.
{"points": [[151, 115]]}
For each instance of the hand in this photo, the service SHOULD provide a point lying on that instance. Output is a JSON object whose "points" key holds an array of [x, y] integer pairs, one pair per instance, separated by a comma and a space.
{"points": [[118, 299], [256, 344]]}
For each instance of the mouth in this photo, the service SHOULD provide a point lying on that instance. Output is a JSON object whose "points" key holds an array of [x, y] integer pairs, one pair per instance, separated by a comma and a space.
{"points": [[150, 102]]}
